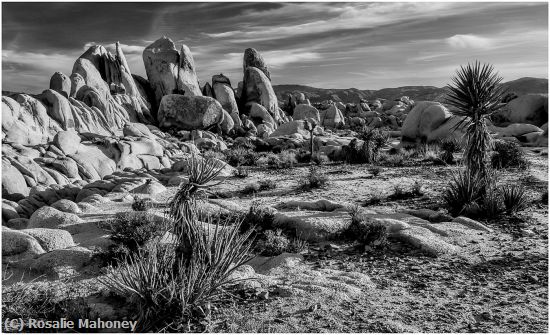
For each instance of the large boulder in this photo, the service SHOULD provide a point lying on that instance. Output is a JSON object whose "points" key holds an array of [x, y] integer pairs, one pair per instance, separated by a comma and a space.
{"points": [[290, 128], [253, 58], [14, 186], [137, 130], [51, 239], [224, 93], [68, 141], [529, 108], [16, 242], [260, 115], [49, 217], [431, 121], [332, 117], [305, 112], [257, 88], [170, 71], [61, 83], [189, 112]]}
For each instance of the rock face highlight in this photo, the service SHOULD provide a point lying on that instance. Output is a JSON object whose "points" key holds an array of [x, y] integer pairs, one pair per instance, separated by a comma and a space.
{"points": [[170, 71], [189, 112]]}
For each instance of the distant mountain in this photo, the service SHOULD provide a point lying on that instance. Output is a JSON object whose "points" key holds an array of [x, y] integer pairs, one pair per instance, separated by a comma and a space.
{"points": [[519, 86]]}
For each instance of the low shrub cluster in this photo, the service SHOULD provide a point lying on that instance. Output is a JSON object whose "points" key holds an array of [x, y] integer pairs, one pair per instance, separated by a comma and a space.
{"points": [[366, 147], [508, 155], [369, 233], [314, 179], [141, 204], [475, 197]]}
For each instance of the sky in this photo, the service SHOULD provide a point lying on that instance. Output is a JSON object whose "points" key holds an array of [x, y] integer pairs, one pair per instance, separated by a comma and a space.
{"points": [[367, 45]]}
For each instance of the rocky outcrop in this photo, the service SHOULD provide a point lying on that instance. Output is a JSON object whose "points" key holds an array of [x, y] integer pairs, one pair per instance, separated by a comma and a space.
{"points": [[431, 121], [304, 112], [257, 88], [253, 58], [529, 108], [170, 71], [189, 112], [332, 117]]}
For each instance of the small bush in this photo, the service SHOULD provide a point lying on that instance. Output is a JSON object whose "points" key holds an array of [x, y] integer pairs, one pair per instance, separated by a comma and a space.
{"points": [[314, 179], [544, 198], [395, 160], [297, 245], [241, 172], [274, 244], [258, 216], [251, 188], [365, 231], [240, 156], [267, 184], [141, 204], [303, 156], [492, 203], [508, 155], [287, 159], [515, 198], [375, 170], [133, 229]]}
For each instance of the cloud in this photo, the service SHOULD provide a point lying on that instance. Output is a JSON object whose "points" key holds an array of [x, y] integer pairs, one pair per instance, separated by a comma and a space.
{"points": [[469, 41]]}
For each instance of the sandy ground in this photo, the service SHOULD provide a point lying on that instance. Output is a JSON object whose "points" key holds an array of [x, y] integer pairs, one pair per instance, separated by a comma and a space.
{"points": [[504, 289]]}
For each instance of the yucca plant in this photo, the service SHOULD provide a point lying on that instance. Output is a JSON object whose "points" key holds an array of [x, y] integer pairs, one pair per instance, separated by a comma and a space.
{"points": [[464, 193], [476, 94], [515, 198]]}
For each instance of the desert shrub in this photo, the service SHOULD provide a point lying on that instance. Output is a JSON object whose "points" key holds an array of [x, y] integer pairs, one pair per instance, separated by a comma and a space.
{"points": [[303, 156], [132, 230], [287, 159], [314, 179], [297, 245], [267, 184], [508, 155], [514, 198], [259, 217], [399, 193], [141, 204], [464, 193], [544, 198], [240, 156], [167, 290], [375, 170], [367, 232], [368, 150], [274, 243], [448, 147], [214, 154], [251, 188], [395, 160], [492, 203], [241, 172], [373, 200]]}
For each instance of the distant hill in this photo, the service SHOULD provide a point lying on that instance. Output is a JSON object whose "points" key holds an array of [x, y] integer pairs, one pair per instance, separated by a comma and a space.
{"points": [[519, 86]]}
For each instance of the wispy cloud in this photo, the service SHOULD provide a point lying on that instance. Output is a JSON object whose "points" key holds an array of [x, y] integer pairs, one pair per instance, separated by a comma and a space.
{"points": [[469, 41]]}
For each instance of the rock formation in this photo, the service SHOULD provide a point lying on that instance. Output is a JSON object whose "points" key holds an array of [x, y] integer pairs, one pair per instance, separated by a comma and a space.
{"points": [[170, 71]]}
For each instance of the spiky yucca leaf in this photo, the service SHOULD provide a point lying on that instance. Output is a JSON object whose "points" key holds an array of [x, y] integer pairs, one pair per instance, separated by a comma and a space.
{"points": [[515, 198], [463, 193]]}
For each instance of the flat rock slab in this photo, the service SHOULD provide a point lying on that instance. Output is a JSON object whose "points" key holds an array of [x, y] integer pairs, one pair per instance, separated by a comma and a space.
{"points": [[313, 226]]}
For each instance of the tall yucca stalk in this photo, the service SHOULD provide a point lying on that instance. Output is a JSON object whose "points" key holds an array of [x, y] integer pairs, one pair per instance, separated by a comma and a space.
{"points": [[476, 94], [202, 172]]}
